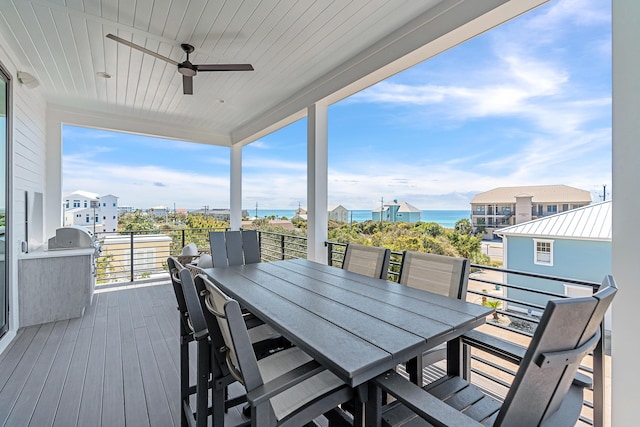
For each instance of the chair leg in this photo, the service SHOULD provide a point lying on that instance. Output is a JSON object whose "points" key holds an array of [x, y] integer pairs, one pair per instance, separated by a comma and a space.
{"points": [[414, 369], [202, 384], [184, 374], [218, 406]]}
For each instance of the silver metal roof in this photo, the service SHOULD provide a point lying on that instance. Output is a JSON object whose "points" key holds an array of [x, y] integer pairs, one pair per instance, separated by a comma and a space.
{"points": [[592, 222]]}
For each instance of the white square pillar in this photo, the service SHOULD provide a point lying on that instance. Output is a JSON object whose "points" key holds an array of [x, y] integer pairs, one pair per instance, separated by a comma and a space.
{"points": [[53, 215], [235, 187], [317, 182], [626, 206]]}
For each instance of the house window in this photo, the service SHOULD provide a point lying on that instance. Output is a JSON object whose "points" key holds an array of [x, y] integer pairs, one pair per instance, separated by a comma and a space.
{"points": [[86, 204], [97, 218], [552, 208], [114, 217], [104, 204], [76, 203], [543, 252], [565, 207], [114, 204], [87, 219], [66, 204]]}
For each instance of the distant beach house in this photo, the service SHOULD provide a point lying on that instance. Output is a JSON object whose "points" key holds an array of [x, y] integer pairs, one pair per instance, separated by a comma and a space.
{"points": [[91, 211], [506, 206], [575, 244], [396, 212], [221, 214], [338, 213], [158, 211]]}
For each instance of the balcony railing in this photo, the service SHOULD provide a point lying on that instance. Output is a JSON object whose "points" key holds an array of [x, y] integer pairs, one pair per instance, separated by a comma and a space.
{"points": [[517, 306]]}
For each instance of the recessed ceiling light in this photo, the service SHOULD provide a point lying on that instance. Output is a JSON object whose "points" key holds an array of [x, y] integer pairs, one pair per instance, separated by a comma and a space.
{"points": [[103, 74]]}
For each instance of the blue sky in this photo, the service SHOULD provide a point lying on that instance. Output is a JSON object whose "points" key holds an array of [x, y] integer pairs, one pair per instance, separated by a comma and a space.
{"points": [[528, 103]]}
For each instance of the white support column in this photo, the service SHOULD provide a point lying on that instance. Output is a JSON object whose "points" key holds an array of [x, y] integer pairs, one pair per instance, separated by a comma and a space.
{"points": [[626, 206], [53, 178], [317, 182], [235, 187]]}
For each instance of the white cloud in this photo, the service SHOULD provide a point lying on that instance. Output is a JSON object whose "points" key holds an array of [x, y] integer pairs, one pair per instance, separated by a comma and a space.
{"points": [[139, 187]]}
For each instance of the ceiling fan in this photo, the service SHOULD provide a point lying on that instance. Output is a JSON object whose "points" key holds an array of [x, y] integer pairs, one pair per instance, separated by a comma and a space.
{"points": [[186, 68]]}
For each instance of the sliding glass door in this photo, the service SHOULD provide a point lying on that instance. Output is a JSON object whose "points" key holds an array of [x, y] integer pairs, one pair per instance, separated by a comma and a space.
{"points": [[4, 139]]}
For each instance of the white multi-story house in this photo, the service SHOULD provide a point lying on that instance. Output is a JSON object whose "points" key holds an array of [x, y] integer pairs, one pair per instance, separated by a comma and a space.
{"points": [[99, 213]]}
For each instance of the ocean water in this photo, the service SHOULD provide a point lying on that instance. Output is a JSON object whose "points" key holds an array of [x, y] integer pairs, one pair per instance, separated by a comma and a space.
{"points": [[446, 218]]}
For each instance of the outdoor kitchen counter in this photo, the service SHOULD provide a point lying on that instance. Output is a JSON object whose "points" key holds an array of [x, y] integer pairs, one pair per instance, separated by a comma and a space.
{"points": [[54, 285]]}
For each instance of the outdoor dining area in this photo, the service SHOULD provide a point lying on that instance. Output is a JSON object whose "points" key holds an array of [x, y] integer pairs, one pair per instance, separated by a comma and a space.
{"points": [[296, 342]]}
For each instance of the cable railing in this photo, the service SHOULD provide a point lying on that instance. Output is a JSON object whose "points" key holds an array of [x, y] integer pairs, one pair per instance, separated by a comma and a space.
{"points": [[518, 297]]}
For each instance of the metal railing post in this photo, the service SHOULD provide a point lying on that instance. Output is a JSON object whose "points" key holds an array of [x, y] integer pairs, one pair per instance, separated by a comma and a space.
{"points": [[259, 244], [282, 249], [330, 253], [183, 241], [131, 252]]}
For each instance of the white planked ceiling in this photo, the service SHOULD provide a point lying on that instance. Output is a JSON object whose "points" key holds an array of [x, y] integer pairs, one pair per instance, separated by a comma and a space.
{"points": [[303, 52]]}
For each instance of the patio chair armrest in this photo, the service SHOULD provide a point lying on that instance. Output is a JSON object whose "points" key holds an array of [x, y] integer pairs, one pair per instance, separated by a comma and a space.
{"points": [[424, 404], [503, 349], [285, 381], [581, 380]]}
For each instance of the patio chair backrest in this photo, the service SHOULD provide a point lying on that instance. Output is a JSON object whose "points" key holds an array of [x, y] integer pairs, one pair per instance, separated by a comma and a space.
{"points": [[241, 359], [370, 261], [568, 330], [234, 247], [440, 274], [174, 268], [197, 321]]}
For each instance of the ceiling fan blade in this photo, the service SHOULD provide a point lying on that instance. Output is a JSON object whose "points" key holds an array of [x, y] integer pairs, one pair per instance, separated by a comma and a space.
{"points": [[187, 85], [141, 49], [224, 67]]}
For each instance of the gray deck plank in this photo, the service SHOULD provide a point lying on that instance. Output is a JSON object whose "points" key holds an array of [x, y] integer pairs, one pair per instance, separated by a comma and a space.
{"points": [[137, 317], [169, 373], [69, 405], [73, 327], [30, 393], [159, 413], [15, 353], [113, 393], [136, 413], [47, 405], [20, 374], [91, 402]]}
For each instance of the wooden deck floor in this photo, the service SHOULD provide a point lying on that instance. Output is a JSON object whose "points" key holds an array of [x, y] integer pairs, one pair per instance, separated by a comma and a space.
{"points": [[118, 365]]}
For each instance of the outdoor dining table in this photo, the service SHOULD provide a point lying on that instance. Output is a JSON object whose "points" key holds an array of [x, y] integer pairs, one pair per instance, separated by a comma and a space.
{"points": [[357, 327]]}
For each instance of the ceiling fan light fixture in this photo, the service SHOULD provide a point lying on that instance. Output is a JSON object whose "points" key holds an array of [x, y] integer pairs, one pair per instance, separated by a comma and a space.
{"points": [[185, 70]]}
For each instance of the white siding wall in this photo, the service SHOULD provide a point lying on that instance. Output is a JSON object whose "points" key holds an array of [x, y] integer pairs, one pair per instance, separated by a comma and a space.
{"points": [[28, 168]]}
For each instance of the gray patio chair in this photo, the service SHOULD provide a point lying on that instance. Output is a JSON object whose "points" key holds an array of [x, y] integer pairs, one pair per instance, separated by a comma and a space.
{"points": [[211, 371], [547, 389], [286, 389], [367, 260], [440, 274], [234, 247]]}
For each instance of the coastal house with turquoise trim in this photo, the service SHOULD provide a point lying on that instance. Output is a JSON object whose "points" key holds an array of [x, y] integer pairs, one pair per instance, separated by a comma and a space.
{"points": [[575, 244], [397, 212]]}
